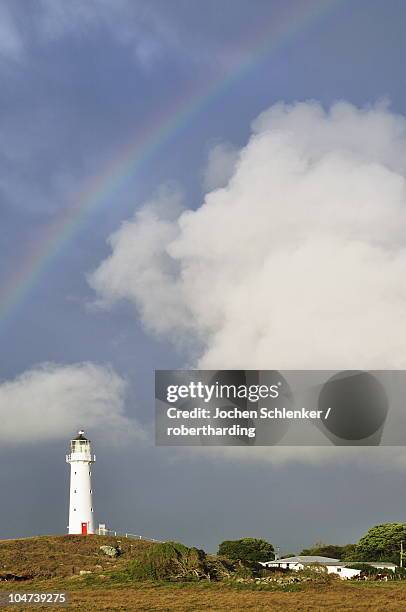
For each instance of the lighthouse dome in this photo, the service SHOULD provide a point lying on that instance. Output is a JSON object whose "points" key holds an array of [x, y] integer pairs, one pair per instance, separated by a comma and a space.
{"points": [[81, 436]]}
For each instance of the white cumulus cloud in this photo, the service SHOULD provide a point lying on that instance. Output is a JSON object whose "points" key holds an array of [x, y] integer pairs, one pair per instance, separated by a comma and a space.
{"points": [[52, 401], [297, 262]]}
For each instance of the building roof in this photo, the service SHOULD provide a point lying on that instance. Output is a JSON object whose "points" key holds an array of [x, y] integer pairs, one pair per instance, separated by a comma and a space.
{"points": [[304, 559]]}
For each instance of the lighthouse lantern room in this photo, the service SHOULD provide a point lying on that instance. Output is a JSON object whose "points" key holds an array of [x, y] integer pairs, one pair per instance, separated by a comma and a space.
{"points": [[80, 502]]}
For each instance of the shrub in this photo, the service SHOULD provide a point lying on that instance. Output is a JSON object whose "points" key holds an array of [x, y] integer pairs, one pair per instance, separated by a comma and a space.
{"points": [[248, 550], [169, 560], [365, 568], [174, 561]]}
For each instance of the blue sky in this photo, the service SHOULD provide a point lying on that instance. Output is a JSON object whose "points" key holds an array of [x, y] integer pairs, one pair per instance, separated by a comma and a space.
{"points": [[78, 80]]}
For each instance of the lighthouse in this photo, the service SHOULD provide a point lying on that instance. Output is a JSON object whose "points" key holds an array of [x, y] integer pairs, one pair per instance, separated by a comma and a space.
{"points": [[80, 501]]}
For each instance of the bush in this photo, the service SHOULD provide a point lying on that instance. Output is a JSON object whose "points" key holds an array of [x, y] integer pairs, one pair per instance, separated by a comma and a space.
{"points": [[365, 569], [248, 550], [174, 561], [168, 560], [400, 573]]}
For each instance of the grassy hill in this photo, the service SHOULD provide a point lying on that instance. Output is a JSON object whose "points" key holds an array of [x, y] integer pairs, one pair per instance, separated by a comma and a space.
{"points": [[64, 556], [57, 563]]}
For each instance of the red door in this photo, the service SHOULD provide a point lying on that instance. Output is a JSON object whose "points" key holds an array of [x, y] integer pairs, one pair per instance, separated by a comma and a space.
{"points": [[84, 528]]}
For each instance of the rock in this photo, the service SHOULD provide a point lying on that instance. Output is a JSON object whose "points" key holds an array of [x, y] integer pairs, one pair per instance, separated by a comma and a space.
{"points": [[111, 551], [83, 572]]}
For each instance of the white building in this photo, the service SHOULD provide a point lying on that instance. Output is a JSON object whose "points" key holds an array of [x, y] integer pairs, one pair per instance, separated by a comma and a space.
{"points": [[333, 566], [80, 501]]}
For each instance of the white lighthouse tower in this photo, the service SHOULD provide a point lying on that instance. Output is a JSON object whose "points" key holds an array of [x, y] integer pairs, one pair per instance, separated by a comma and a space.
{"points": [[80, 502]]}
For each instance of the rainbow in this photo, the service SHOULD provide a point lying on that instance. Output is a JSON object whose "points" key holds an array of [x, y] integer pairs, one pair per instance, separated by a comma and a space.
{"points": [[139, 150]]}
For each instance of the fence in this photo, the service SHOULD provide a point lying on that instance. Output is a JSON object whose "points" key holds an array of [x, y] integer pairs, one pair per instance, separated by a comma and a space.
{"points": [[102, 530], [140, 537]]}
